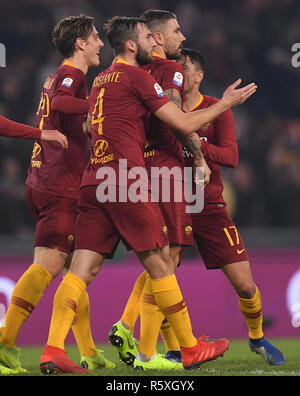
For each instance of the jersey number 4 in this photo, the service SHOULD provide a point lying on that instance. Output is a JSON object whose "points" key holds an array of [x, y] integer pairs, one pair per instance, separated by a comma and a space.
{"points": [[97, 116]]}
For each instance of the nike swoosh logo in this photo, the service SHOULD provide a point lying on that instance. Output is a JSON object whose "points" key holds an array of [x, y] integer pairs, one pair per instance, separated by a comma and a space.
{"points": [[240, 251]]}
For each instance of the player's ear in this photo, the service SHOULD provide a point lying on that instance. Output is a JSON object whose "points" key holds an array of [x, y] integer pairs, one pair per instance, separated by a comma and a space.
{"points": [[131, 45], [199, 76], [159, 38], [80, 43]]}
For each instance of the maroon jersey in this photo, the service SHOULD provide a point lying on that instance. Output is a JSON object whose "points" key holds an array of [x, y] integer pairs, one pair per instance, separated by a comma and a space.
{"points": [[121, 98], [15, 130], [219, 147], [55, 170], [163, 149]]}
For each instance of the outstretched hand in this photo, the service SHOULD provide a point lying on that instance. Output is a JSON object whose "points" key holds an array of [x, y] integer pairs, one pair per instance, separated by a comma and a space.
{"points": [[234, 96], [54, 136]]}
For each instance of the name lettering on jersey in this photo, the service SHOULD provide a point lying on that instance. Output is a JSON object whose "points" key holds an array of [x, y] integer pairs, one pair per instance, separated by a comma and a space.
{"points": [[107, 78], [178, 79], [68, 81], [49, 82]]}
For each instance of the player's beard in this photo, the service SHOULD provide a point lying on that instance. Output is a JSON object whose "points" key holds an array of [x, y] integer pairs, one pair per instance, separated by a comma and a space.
{"points": [[143, 57], [173, 54]]}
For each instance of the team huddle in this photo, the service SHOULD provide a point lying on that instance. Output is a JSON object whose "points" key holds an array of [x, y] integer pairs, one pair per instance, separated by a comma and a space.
{"points": [[145, 111]]}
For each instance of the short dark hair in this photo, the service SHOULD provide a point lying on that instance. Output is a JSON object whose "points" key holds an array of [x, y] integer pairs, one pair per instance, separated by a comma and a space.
{"points": [[120, 29], [195, 57], [67, 31], [154, 18]]}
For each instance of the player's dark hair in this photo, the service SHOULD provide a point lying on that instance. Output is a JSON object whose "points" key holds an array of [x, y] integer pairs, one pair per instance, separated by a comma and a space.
{"points": [[154, 18], [195, 56], [68, 30], [120, 29]]}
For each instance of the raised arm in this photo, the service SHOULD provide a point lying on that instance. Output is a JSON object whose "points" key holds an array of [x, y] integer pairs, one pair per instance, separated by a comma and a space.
{"points": [[187, 123]]}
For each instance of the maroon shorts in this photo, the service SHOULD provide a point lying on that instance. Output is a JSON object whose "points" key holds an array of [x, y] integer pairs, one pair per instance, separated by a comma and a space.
{"points": [[177, 219], [100, 226], [218, 240], [55, 219]]}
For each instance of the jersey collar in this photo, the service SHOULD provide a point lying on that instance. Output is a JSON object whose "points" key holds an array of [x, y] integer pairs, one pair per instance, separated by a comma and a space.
{"points": [[199, 101], [119, 60], [67, 63], [157, 55]]}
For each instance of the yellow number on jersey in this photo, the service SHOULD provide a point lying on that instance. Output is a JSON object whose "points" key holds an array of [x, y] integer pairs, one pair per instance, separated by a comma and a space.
{"points": [[45, 107], [97, 116], [230, 239]]}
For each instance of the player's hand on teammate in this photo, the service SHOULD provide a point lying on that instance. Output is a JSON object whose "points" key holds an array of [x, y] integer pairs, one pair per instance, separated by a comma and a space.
{"points": [[234, 96], [54, 136], [86, 130], [201, 163], [87, 125]]}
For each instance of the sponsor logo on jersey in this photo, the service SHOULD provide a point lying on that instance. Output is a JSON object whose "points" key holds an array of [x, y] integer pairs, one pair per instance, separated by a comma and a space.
{"points": [[67, 82], [36, 150], [100, 147], [99, 150], [178, 79], [159, 90]]}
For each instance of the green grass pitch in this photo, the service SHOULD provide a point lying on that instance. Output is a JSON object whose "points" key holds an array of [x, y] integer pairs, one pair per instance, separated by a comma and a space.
{"points": [[238, 361]]}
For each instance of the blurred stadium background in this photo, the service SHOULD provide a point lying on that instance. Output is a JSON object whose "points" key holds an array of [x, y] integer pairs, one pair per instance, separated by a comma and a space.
{"points": [[251, 39]]}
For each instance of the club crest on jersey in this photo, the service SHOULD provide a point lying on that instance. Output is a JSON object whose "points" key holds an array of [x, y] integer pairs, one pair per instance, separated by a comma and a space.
{"points": [[159, 90], [67, 82], [188, 230], [178, 79]]}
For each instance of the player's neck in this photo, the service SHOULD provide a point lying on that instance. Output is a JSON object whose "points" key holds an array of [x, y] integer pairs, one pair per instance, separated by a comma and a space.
{"points": [[128, 58], [159, 51], [191, 99], [78, 62]]}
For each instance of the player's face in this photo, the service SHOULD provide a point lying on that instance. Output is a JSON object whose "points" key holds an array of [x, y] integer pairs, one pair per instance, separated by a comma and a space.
{"points": [[145, 45], [173, 39], [92, 48], [191, 74]]}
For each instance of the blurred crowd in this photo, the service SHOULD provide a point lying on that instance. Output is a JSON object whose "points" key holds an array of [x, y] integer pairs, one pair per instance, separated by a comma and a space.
{"points": [[251, 39]]}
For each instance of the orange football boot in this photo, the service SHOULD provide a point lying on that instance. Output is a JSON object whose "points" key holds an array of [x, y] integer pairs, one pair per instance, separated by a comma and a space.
{"points": [[203, 352], [55, 361]]}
